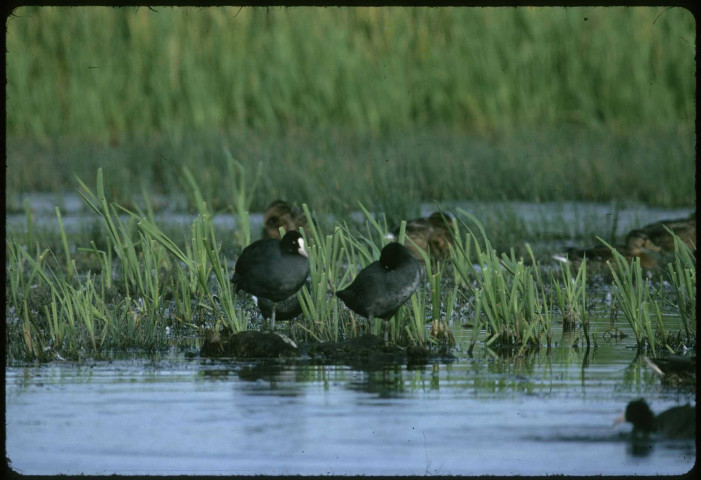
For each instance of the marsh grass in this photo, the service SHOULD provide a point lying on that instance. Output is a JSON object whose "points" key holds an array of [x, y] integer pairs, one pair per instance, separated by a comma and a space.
{"points": [[327, 255], [570, 295], [314, 167], [505, 292], [146, 282], [203, 259], [243, 188], [632, 293], [682, 275], [364, 69], [398, 99]]}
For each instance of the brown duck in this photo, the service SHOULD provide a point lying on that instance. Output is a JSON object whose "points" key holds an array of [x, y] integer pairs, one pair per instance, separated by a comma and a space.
{"points": [[432, 234], [637, 245], [282, 214], [684, 228]]}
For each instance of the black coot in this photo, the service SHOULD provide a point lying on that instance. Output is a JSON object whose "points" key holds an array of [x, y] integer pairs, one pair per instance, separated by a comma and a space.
{"points": [[272, 269], [677, 422], [383, 286]]}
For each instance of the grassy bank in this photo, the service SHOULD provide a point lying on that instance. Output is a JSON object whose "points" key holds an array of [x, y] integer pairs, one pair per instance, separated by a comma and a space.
{"points": [[140, 288], [106, 73]]}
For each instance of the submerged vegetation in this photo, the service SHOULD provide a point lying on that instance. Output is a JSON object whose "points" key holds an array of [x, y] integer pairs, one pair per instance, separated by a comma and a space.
{"points": [[146, 290]]}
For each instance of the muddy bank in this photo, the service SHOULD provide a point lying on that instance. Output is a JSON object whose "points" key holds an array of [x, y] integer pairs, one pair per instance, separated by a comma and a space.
{"points": [[248, 344], [366, 349]]}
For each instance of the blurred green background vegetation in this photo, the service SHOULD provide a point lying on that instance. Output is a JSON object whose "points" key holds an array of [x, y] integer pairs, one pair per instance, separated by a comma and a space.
{"points": [[390, 106]]}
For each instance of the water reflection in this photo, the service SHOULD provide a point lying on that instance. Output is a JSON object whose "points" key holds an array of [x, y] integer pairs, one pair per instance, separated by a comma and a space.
{"points": [[640, 446], [268, 371], [387, 382], [480, 415], [487, 413]]}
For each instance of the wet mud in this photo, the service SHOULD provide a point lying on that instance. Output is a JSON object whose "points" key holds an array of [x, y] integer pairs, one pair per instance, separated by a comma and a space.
{"points": [[364, 350]]}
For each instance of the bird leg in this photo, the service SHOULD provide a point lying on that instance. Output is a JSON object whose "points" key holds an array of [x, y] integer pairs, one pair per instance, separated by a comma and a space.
{"points": [[369, 329], [272, 318], [386, 330]]}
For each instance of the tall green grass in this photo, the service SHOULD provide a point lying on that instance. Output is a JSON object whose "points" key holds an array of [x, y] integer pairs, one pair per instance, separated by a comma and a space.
{"points": [[642, 304], [570, 297], [681, 273], [393, 173], [506, 291], [104, 73]]}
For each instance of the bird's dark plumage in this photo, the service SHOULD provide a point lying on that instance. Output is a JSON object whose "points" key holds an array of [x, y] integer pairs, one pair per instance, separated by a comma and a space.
{"points": [[286, 309], [383, 286], [676, 422], [272, 269]]}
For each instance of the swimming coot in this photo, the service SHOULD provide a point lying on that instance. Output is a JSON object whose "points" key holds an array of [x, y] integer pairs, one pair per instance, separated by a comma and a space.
{"points": [[282, 214], [677, 422], [272, 269], [383, 286]]}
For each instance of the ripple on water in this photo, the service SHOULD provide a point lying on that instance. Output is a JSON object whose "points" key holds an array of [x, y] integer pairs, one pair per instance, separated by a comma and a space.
{"points": [[475, 416]]}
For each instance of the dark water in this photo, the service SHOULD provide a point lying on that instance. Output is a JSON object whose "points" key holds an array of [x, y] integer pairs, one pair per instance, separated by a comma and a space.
{"points": [[544, 414]]}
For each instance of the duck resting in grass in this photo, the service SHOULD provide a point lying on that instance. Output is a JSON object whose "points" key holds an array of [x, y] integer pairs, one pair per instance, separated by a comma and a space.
{"points": [[684, 228], [282, 214], [432, 234], [637, 244]]}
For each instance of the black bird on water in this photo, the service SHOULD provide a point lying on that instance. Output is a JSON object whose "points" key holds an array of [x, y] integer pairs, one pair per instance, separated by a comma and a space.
{"points": [[272, 269], [383, 286], [676, 422]]}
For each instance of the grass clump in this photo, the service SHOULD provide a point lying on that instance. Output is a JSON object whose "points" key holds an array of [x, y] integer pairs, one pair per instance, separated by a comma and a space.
{"points": [[327, 255], [570, 296], [642, 304], [682, 276], [505, 292]]}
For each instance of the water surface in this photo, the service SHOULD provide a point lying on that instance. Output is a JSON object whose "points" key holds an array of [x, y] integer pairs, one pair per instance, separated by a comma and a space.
{"points": [[545, 414]]}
